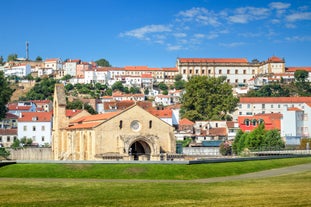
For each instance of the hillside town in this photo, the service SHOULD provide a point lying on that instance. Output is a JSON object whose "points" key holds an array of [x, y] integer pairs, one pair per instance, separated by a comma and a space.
{"points": [[70, 133]]}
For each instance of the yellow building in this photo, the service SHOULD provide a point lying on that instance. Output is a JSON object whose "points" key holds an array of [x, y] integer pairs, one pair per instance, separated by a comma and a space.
{"points": [[127, 135]]}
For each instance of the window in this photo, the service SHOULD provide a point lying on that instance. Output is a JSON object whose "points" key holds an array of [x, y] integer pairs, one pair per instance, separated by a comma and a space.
{"points": [[219, 72], [236, 72], [184, 71], [150, 124], [228, 71], [33, 128], [203, 71], [25, 128], [42, 138], [263, 106], [14, 138], [248, 106], [209, 71], [272, 106], [120, 124], [196, 71], [244, 72], [0, 138], [42, 128], [8, 139]]}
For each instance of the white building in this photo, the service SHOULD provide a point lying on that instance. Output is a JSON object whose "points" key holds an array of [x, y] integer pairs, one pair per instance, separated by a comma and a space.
{"points": [[296, 124], [19, 71], [262, 105], [36, 126], [70, 67], [98, 75], [163, 100]]}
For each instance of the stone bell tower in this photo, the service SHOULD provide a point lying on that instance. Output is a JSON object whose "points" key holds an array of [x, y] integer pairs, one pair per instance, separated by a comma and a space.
{"points": [[59, 118]]}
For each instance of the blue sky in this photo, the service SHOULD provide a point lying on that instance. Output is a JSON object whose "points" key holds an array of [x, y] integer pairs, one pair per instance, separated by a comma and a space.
{"points": [[155, 33]]}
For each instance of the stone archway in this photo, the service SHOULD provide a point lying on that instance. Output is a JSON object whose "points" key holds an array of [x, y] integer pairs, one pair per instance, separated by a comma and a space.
{"points": [[140, 150]]}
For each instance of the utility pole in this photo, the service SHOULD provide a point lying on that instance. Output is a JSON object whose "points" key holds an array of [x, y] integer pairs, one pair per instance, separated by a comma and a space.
{"points": [[27, 50]]}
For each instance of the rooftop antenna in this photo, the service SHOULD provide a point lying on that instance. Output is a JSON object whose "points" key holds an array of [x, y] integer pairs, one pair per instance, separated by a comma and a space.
{"points": [[27, 50]]}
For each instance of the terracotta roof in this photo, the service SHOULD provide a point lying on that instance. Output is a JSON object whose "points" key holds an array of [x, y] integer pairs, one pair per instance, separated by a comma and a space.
{"points": [[185, 121], [213, 60], [13, 107], [35, 117], [165, 113], [275, 59], [294, 109], [10, 116], [230, 124], [293, 69], [72, 112], [275, 99], [8, 131], [96, 117], [145, 75], [170, 69], [84, 126], [141, 68], [220, 131]]}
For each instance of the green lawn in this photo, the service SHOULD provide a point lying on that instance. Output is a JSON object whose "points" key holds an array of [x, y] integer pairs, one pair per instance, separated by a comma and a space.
{"points": [[144, 171], [282, 191], [42, 185]]}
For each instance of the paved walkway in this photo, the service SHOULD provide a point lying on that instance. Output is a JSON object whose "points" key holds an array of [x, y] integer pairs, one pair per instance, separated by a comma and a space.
{"points": [[255, 175]]}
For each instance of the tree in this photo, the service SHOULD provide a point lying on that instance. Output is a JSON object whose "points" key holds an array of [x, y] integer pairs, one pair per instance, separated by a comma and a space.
{"points": [[66, 77], [4, 153], [12, 57], [301, 75], [16, 144], [77, 104], [118, 86], [273, 140], [5, 94], [103, 62], [162, 86], [179, 83], [38, 58], [146, 91], [207, 98]]}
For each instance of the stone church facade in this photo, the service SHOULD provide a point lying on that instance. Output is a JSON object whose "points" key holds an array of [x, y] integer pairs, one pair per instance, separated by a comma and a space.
{"points": [[131, 134]]}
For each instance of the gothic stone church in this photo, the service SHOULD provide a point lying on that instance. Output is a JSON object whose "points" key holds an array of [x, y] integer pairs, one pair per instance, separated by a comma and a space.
{"points": [[131, 134]]}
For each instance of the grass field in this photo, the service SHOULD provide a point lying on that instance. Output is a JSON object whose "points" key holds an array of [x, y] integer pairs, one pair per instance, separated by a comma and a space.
{"points": [[42, 190]]}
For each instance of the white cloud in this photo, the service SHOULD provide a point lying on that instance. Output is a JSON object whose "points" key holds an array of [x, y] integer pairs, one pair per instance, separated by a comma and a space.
{"points": [[141, 33], [232, 44], [199, 15], [180, 35], [299, 38], [174, 47], [279, 5], [244, 15], [299, 16]]}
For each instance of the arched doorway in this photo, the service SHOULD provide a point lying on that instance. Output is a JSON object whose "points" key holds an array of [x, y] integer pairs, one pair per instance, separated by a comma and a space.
{"points": [[140, 150]]}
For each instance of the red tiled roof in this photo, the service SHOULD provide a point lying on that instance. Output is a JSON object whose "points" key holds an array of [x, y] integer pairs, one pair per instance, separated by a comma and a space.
{"points": [[141, 68], [36, 117], [230, 124], [10, 116], [294, 109], [72, 112], [8, 131], [97, 117], [185, 121], [220, 131], [13, 107], [294, 69], [275, 99], [165, 113], [213, 60], [170, 69], [275, 59], [84, 126], [145, 75]]}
